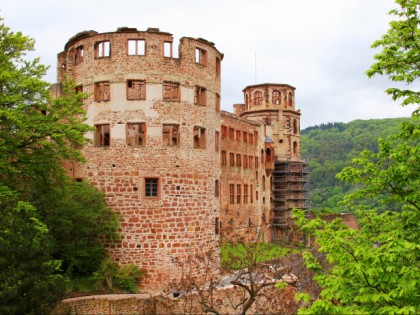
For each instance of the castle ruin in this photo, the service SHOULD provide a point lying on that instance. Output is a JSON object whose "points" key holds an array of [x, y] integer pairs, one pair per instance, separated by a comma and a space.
{"points": [[179, 171]]}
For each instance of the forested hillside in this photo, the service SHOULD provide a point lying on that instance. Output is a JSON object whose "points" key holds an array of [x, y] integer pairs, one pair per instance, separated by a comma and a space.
{"points": [[330, 147]]}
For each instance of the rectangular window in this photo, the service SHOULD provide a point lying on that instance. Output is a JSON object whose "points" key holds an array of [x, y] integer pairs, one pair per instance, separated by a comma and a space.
{"points": [[218, 66], [102, 135], [200, 96], [216, 188], [151, 187], [171, 91], [232, 194], [136, 89], [224, 132], [136, 47], [224, 158], [199, 137], [232, 133], [245, 193], [232, 159], [136, 134], [238, 160], [251, 138], [251, 161], [167, 49], [238, 135], [256, 162], [256, 137], [170, 135], [217, 102], [245, 137], [238, 193], [78, 55], [102, 91], [245, 161], [251, 194], [201, 56], [216, 226], [216, 141], [102, 49]]}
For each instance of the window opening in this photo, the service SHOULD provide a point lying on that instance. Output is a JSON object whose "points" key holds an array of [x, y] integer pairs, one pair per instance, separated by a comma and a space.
{"points": [[218, 66], [167, 49], [199, 137], [171, 91], [232, 194], [136, 89], [102, 135], [257, 98], [232, 159], [238, 193], [245, 193], [151, 187], [238, 160], [238, 135], [201, 56], [136, 47], [200, 96], [170, 134], [103, 49], [216, 188], [102, 91], [78, 55], [216, 141], [136, 134], [224, 158], [276, 97]]}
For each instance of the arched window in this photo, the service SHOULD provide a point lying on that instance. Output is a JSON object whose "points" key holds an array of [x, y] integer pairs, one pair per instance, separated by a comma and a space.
{"points": [[268, 155], [257, 98], [290, 99], [295, 127], [295, 147], [276, 99]]}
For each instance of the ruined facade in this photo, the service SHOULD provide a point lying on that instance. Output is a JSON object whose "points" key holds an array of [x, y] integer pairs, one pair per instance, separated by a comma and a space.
{"points": [[177, 169]]}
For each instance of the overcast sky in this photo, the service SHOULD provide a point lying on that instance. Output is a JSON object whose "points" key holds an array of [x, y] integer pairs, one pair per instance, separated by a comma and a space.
{"points": [[320, 47]]}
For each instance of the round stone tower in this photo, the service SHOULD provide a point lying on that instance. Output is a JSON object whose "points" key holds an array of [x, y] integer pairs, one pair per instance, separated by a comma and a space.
{"points": [[154, 146]]}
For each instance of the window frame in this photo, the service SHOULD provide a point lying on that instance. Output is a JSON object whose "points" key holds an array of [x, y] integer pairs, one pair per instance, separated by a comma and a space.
{"points": [[200, 56], [138, 52], [139, 87], [78, 55], [141, 125], [173, 88], [200, 96], [153, 194], [100, 49], [170, 135], [100, 139], [100, 89], [199, 137]]}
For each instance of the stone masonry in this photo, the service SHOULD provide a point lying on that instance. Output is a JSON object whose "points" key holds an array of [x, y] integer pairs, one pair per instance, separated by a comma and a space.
{"points": [[177, 169]]}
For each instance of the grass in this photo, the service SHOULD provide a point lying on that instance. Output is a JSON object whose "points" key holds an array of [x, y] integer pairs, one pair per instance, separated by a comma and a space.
{"points": [[237, 256]]}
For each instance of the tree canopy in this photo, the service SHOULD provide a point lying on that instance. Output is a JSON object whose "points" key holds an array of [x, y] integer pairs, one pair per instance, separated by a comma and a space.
{"points": [[376, 269], [51, 226]]}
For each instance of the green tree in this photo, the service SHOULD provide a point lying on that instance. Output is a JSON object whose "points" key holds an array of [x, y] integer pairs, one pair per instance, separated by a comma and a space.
{"points": [[30, 282], [376, 269], [59, 224]]}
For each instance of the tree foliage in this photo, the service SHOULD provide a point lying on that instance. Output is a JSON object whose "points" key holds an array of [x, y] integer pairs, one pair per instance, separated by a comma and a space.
{"points": [[331, 147], [376, 269], [50, 225]]}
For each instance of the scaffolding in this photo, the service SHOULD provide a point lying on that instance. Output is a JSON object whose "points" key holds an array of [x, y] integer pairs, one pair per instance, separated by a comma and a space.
{"points": [[290, 179]]}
